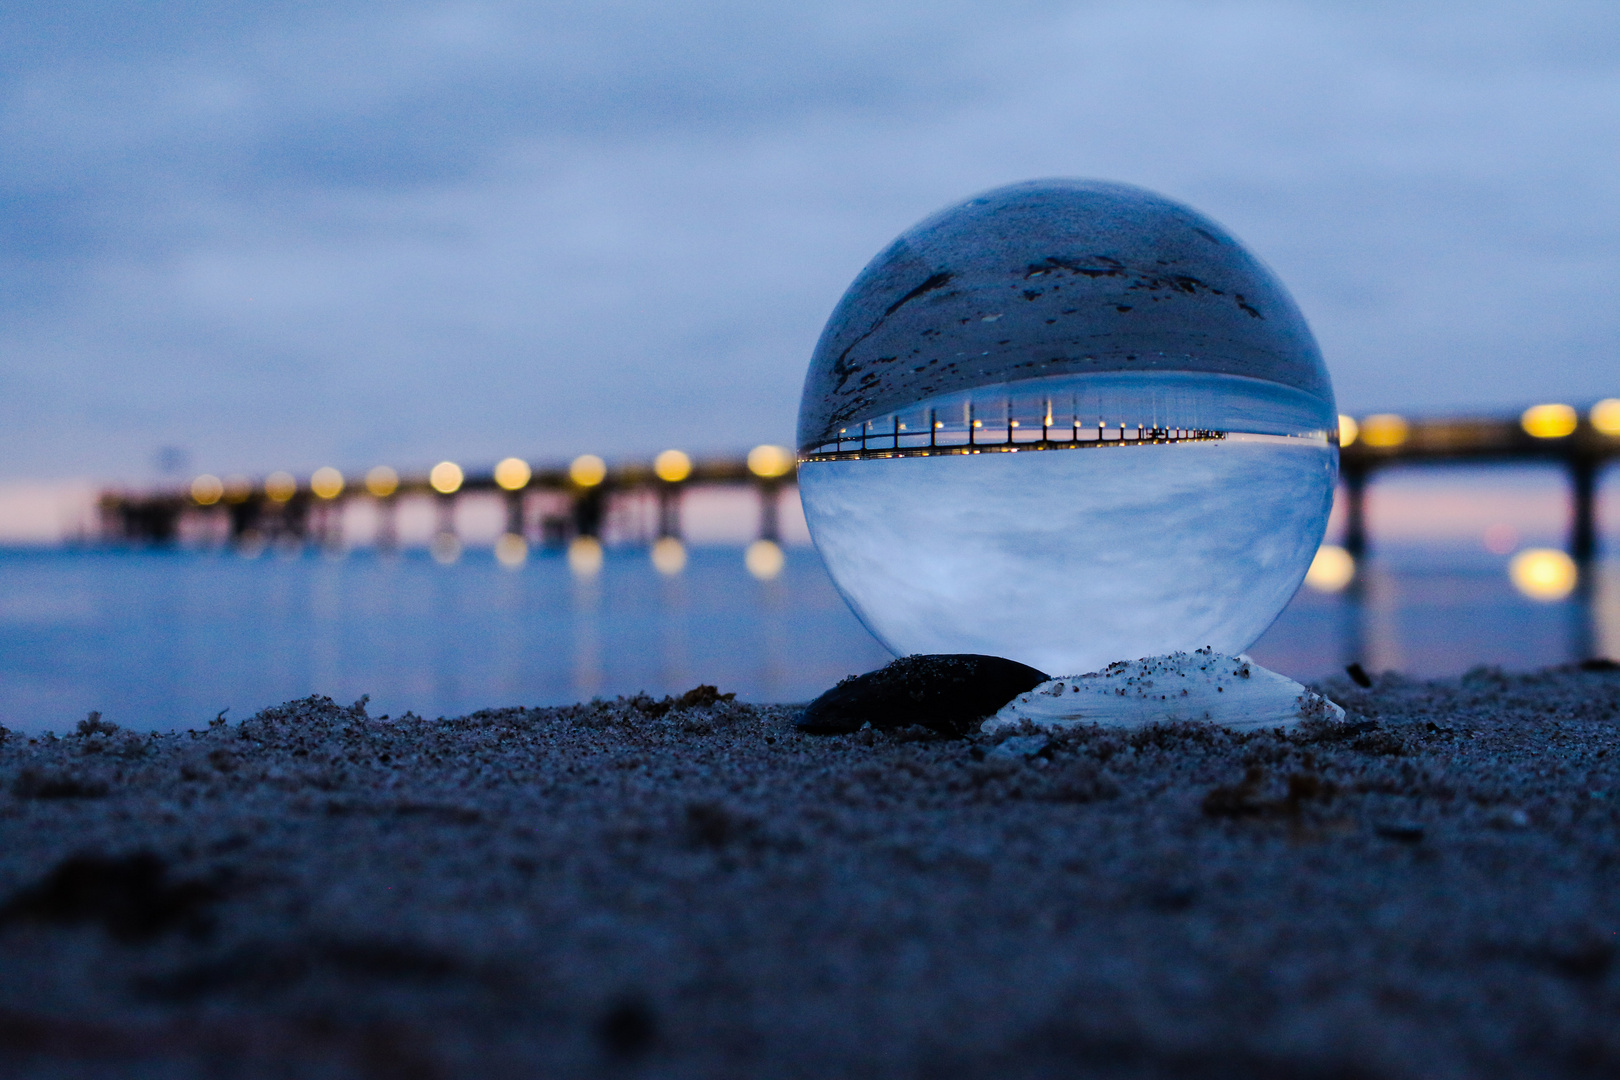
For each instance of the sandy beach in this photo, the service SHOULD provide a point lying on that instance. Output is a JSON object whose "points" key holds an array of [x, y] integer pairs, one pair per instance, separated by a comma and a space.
{"points": [[1431, 889]]}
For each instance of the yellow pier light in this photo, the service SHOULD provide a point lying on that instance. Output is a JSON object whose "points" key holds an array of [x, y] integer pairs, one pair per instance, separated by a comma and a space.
{"points": [[327, 483], [1605, 417], [280, 487], [768, 462], [764, 559], [1543, 573], [207, 490], [672, 466], [446, 478], [1384, 430], [513, 474], [587, 470], [1331, 570], [1348, 430], [1548, 421], [669, 556], [382, 481]]}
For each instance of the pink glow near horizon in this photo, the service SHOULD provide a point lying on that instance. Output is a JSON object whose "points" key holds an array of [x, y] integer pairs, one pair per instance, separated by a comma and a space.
{"points": [[1523, 506]]}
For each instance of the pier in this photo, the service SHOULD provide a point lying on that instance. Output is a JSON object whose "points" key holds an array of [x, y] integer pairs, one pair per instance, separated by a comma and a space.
{"points": [[550, 505], [1552, 434]]}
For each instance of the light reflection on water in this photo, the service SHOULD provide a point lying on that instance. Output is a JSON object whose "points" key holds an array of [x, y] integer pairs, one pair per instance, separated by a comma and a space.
{"points": [[1431, 613], [162, 640]]}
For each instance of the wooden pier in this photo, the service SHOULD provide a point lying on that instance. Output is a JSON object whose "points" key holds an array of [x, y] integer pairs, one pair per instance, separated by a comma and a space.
{"points": [[281, 507]]}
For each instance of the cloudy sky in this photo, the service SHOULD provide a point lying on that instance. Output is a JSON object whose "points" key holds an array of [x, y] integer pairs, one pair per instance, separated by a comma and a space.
{"points": [[289, 234]]}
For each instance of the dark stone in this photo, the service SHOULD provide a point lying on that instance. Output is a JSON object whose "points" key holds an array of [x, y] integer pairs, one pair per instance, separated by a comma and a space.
{"points": [[946, 692]]}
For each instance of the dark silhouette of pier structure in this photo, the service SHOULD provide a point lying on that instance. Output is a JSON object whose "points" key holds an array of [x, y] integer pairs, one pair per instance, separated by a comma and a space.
{"points": [[280, 508], [1572, 444]]}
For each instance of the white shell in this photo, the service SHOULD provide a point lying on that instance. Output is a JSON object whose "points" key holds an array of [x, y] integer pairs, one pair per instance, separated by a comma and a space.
{"points": [[1232, 691]]}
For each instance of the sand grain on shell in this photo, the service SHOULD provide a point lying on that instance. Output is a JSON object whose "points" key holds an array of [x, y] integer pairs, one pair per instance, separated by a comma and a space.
{"points": [[1432, 890]]}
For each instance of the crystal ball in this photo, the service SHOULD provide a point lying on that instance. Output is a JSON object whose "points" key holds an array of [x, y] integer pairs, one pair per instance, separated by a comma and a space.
{"points": [[1067, 422]]}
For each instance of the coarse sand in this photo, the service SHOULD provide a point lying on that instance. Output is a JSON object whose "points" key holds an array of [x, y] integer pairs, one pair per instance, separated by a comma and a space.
{"points": [[639, 888]]}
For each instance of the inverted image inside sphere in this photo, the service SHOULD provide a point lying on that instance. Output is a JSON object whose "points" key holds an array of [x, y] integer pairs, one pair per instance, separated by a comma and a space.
{"points": [[1067, 423]]}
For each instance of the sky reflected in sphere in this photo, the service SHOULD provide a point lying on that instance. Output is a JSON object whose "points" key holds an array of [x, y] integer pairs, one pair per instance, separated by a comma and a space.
{"points": [[1068, 423]]}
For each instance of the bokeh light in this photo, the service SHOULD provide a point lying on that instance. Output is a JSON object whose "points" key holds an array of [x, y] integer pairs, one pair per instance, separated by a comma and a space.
{"points": [[446, 478], [1348, 430], [1384, 430], [238, 488], [672, 466], [326, 483], [446, 548], [1543, 573], [1548, 421], [207, 490], [1331, 570], [669, 556], [382, 481], [585, 556], [587, 470], [1605, 416], [280, 486], [511, 550], [764, 559], [513, 474], [769, 462]]}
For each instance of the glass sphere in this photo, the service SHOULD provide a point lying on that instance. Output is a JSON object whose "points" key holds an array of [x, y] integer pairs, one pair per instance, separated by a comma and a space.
{"points": [[1067, 422]]}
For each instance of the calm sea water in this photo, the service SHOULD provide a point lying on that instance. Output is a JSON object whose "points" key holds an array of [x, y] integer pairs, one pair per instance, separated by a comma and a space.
{"points": [[169, 639]]}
